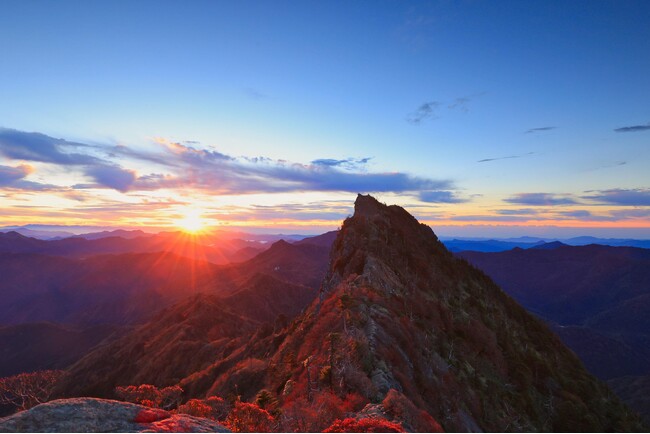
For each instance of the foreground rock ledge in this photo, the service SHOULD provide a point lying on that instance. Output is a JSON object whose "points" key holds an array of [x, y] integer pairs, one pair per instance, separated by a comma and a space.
{"points": [[103, 415]]}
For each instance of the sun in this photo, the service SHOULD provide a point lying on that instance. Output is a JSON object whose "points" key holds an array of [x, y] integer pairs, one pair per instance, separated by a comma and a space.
{"points": [[192, 221]]}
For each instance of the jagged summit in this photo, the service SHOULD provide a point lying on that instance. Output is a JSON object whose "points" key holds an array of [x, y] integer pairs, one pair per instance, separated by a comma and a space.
{"points": [[378, 235], [366, 205]]}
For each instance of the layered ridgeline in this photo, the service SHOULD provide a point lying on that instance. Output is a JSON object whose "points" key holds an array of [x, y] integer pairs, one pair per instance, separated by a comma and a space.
{"points": [[398, 311], [399, 324]]}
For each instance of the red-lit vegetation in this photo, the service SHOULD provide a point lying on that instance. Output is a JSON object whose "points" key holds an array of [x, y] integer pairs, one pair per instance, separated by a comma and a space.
{"points": [[402, 409], [364, 425], [196, 407], [301, 415], [26, 390], [246, 417], [150, 415], [219, 407], [151, 396]]}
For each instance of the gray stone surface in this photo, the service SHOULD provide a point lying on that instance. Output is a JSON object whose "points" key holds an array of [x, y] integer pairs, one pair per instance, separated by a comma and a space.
{"points": [[103, 415]]}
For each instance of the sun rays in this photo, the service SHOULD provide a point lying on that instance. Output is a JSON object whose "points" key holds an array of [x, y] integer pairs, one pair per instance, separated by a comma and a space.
{"points": [[191, 222]]}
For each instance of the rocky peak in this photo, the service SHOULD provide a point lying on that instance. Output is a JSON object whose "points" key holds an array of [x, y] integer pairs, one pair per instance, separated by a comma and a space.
{"points": [[380, 238], [366, 205]]}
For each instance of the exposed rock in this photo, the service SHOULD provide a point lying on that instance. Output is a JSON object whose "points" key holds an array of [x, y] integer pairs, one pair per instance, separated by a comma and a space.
{"points": [[103, 415]]}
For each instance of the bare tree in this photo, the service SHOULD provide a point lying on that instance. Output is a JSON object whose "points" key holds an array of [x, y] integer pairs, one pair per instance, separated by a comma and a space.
{"points": [[28, 389]]}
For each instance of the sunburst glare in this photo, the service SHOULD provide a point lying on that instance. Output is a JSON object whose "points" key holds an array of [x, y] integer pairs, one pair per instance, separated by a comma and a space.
{"points": [[191, 221]]}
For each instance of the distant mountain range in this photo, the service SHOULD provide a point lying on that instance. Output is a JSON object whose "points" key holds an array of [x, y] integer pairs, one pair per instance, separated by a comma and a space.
{"points": [[46, 232], [454, 244], [126, 288], [218, 251], [500, 245]]}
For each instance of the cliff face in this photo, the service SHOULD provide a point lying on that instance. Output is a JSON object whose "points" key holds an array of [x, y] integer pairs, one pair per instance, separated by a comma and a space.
{"points": [[398, 311], [102, 415]]}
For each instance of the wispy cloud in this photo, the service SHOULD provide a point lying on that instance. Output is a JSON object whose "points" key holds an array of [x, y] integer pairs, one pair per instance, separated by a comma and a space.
{"points": [[348, 163], [633, 128], [430, 110], [625, 214], [624, 197], [520, 211], [112, 176], [13, 178], [20, 145], [9, 174], [188, 167], [326, 210], [490, 218], [539, 129], [224, 174], [426, 111], [440, 197], [577, 214], [486, 160], [461, 104], [541, 199], [37, 147]]}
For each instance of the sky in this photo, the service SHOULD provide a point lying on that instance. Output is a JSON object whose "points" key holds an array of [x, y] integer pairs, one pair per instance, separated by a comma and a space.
{"points": [[479, 117]]}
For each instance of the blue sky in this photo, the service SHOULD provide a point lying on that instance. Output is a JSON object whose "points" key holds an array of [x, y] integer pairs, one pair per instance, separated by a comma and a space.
{"points": [[510, 113]]}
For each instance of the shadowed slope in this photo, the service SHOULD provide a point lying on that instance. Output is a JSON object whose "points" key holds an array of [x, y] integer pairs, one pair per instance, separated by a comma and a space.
{"points": [[179, 341], [568, 284], [116, 289], [40, 346]]}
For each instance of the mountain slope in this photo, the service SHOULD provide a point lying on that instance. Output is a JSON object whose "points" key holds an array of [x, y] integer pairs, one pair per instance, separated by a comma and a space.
{"points": [[597, 298], [188, 337], [128, 288], [41, 346], [568, 284], [179, 341], [302, 264], [116, 289], [323, 240], [264, 297], [397, 310], [635, 391]]}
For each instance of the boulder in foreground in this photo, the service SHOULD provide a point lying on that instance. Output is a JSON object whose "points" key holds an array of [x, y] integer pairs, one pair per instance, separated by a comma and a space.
{"points": [[103, 415]]}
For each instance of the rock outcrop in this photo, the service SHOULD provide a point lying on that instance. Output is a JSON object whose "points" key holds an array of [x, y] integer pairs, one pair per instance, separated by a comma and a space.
{"points": [[103, 415]]}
